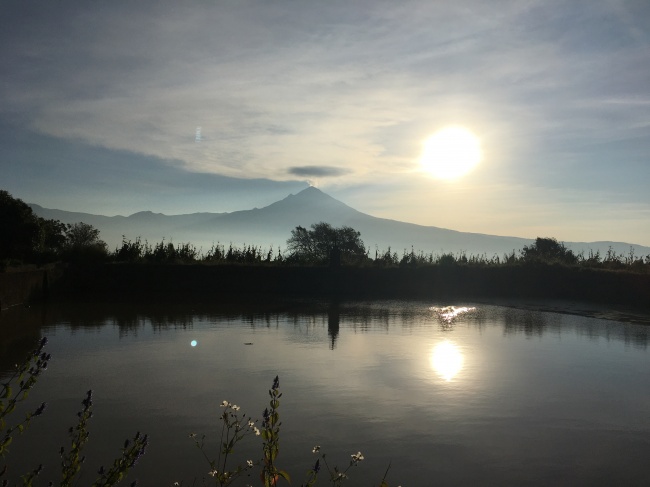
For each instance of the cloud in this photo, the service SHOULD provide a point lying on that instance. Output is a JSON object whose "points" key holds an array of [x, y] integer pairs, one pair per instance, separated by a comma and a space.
{"points": [[331, 85], [318, 171]]}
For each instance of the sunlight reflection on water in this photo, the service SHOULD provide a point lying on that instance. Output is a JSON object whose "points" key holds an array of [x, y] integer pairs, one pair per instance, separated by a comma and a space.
{"points": [[509, 396], [449, 313], [446, 360]]}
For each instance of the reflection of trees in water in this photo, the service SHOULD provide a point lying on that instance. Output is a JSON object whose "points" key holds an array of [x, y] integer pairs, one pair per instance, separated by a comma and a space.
{"points": [[21, 330], [333, 323], [634, 335], [311, 321], [637, 336], [530, 323], [537, 323], [14, 351]]}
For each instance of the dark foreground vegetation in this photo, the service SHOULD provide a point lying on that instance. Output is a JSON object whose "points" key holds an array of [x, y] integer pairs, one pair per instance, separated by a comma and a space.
{"points": [[322, 261], [223, 465]]}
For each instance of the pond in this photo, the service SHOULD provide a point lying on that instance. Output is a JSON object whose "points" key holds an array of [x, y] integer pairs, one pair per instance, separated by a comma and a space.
{"points": [[475, 394]]}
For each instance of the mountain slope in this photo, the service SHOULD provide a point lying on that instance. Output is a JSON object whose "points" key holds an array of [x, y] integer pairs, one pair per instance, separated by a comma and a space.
{"points": [[272, 225]]}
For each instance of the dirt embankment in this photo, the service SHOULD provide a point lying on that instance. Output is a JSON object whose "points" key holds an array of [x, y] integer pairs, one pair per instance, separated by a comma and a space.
{"points": [[20, 285], [139, 281]]}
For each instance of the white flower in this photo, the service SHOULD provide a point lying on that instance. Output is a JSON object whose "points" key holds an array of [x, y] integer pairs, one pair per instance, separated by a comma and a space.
{"points": [[251, 424], [249, 463], [176, 483], [341, 475], [224, 404], [357, 457], [256, 430], [316, 449], [235, 407], [192, 435], [213, 473]]}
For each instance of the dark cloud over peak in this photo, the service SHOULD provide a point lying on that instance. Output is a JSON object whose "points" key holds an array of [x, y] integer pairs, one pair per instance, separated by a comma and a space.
{"points": [[318, 171]]}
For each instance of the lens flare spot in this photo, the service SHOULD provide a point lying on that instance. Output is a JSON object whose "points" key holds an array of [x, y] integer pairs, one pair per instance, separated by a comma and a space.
{"points": [[194, 343]]}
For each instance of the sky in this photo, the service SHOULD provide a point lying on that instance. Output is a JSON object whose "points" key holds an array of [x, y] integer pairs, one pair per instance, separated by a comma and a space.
{"points": [[181, 107]]}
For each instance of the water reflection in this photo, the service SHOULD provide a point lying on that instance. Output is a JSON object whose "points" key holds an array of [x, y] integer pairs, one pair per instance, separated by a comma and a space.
{"points": [[350, 366], [449, 314], [333, 323], [21, 328], [446, 360]]}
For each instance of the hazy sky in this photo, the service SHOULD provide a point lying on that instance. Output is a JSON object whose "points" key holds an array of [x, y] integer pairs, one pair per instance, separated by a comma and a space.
{"points": [[178, 107]]}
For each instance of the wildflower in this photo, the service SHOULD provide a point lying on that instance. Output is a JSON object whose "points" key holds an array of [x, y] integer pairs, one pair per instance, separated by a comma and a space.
{"points": [[316, 449], [316, 468], [249, 463], [192, 435], [341, 475], [213, 473], [176, 483], [235, 407], [276, 383], [256, 430], [224, 404], [251, 424], [357, 457]]}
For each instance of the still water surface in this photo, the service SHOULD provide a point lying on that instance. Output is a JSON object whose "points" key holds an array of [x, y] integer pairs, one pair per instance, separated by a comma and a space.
{"points": [[492, 396]]}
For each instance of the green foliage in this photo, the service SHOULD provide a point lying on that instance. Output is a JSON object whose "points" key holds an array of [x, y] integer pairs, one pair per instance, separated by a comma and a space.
{"points": [[71, 462], [52, 239], [129, 251], [271, 438], [236, 426], [82, 244], [16, 390], [162, 252], [19, 228], [80, 235], [549, 251], [324, 243], [131, 453], [28, 238]]}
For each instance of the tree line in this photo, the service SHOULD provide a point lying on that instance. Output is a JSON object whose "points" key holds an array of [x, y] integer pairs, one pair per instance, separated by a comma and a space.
{"points": [[27, 238]]}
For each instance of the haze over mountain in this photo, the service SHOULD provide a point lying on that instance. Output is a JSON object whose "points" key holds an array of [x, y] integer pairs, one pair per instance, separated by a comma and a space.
{"points": [[272, 225]]}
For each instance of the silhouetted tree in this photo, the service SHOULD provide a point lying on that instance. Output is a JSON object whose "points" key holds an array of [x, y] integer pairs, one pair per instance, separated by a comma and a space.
{"points": [[324, 243], [30, 238], [52, 239], [19, 228], [548, 250], [82, 235], [83, 243]]}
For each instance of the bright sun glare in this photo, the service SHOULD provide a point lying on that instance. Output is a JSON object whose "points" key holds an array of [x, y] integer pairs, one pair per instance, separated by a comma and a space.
{"points": [[450, 153], [446, 360]]}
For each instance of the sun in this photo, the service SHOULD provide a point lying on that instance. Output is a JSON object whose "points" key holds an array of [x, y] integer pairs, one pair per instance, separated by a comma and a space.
{"points": [[451, 153]]}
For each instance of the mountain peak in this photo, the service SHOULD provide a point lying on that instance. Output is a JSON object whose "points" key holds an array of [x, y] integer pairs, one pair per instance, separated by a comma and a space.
{"points": [[311, 198], [310, 192]]}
